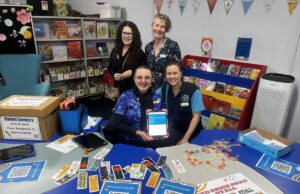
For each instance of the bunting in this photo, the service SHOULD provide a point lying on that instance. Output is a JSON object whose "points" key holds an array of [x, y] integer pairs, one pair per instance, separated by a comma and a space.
{"points": [[211, 5], [292, 4], [182, 4], [268, 4], [196, 4], [228, 4], [170, 3], [158, 4], [246, 5]]}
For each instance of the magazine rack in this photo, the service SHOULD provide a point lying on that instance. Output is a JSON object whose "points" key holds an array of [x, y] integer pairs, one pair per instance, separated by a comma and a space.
{"points": [[246, 105]]}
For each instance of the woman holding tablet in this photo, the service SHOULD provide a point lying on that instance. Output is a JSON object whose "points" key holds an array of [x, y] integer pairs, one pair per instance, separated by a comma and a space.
{"points": [[184, 104]]}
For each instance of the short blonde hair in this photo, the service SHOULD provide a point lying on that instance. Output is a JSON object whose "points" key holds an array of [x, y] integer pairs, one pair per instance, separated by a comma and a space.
{"points": [[166, 19]]}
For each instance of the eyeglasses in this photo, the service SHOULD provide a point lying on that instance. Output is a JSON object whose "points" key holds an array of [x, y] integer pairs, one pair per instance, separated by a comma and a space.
{"points": [[140, 78], [126, 33]]}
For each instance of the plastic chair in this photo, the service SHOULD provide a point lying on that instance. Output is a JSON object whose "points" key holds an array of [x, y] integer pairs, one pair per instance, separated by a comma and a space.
{"points": [[21, 73]]}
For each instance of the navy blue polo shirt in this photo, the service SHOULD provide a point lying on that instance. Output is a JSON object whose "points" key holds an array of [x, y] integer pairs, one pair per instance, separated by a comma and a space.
{"points": [[182, 106]]}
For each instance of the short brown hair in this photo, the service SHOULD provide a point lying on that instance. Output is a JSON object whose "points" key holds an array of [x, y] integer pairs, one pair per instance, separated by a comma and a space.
{"points": [[166, 19]]}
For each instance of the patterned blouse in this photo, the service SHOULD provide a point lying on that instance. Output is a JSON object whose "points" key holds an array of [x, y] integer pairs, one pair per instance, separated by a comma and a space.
{"points": [[169, 50]]}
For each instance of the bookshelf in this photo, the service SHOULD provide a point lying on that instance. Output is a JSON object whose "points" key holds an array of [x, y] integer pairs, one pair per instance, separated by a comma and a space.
{"points": [[231, 102], [75, 52]]}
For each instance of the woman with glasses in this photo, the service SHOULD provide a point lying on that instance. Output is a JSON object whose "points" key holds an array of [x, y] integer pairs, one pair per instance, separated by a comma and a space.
{"points": [[129, 122], [126, 55], [161, 50]]}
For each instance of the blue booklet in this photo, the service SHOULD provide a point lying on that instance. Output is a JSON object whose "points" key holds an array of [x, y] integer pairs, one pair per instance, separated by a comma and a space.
{"points": [[172, 186], [23, 171], [109, 187], [243, 48]]}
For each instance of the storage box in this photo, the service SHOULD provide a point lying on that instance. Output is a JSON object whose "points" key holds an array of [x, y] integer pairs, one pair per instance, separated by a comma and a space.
{"points": [[29, 117], [255, 143], [110, 11]]}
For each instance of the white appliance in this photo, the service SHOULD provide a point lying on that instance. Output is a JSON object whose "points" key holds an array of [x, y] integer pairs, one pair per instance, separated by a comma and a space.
{"points": [[272, 102]]}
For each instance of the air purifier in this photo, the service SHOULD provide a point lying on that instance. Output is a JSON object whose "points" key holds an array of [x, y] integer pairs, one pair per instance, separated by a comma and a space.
{"points": [[272, 102]]}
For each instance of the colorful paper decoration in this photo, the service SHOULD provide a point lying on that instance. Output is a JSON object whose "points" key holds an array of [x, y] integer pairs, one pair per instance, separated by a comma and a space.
{"points": [[182, 4], [228, 4], [196, 4], [158, 4], [170, 3], [211, 5], [292, 5], [246, 5], [269, 4]]}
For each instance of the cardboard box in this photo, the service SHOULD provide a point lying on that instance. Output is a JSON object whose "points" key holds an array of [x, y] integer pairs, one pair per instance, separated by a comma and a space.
{"points": [[110, 11], [21, 119], [272, 151]]}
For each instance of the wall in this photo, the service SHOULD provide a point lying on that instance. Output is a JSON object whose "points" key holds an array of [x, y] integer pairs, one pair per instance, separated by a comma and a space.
{"points": [[275, 35]]}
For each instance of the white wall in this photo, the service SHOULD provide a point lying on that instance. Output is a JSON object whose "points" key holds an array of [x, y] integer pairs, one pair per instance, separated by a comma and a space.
{"points": [[275, 35]]}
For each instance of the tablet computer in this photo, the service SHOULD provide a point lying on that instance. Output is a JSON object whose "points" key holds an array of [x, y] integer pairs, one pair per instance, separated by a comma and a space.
{"points": [[89, 141], [16, 153], [157, 123]]}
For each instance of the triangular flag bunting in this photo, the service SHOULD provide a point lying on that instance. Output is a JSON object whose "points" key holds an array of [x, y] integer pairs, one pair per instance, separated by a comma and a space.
{"points": [[228, 4], [158, 4], [211, 5], [170, 3], [246, 5], [182, 4], [268, 4], [292, 4], [196, 4]]}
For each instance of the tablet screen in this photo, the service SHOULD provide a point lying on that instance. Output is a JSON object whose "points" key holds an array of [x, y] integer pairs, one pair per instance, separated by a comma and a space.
{"points": [[157, 123], [90, 141], [16, 153]]}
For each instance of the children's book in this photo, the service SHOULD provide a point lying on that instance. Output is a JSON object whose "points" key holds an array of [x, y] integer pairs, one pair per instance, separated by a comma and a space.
{"points": [[102, 30], [220, 87], [74, 49], [245, 72], [74, 30], [235, 113], [89, 28], [91, 50], [201, 83], [61, 29], [112, 30], [233, 70], [207, 101], [196, 65], [242, 92], [230, 90], [102, 49], [243, 48], [189, 62], [213, 65], [215, 121], [254, 73], [223, 69], [220, 107], [60, 52], [206, 46], [210, 85], [45, 51], [203, 66], [41, 30], [192, 80], [230, 124]]}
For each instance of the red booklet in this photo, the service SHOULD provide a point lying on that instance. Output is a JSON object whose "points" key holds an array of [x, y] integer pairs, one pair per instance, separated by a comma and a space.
{"points": [[74, 50]]}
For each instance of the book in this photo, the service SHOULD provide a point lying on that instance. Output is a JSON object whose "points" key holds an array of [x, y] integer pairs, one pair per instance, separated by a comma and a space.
{"points": [[91, 50], [204, 120], [233, 70], [89, 29], [213, 65], [206, 45], [220, 87], [243, 48], [241, 92], [254, 73], [230, 124], [201, 83], [45, 51], [207, 101], [74, 30], [215, 121], [112, 30], [245, 72], [39, 30], [203, 66], [223, 69], [210, 85], [102, 30], [235, 113], [174, 187], [192, 80], [102, 49], [230, 90], [59, 52], [220, 107], [74, 50], [189, 62]]}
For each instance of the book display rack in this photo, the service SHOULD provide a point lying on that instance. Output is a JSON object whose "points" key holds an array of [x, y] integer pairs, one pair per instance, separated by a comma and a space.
{"points": [[228, 89], [75, 51]]}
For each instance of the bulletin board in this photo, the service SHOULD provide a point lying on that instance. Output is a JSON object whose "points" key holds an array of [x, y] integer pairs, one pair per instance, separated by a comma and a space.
{"points": [[16, 32]]}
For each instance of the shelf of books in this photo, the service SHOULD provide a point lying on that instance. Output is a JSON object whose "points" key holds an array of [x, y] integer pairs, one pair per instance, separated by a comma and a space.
{"points": [[228, 89], [75, 51]]}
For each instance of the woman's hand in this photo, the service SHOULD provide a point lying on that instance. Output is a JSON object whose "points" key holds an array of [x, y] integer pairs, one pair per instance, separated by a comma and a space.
{"points": [[144, 136], [183, 141], [117, 76], [126, 74]]}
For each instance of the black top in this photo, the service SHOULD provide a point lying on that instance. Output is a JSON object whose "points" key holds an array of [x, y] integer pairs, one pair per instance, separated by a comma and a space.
{"points": [[132, 61]]}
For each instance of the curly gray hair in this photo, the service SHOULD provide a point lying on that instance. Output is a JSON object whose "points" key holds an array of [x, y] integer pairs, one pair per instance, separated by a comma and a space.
{"points": [[166, 19]]}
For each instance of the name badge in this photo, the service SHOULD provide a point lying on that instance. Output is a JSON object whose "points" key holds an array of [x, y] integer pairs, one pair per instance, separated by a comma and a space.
{"points": [[163, 56], [184, 104]]}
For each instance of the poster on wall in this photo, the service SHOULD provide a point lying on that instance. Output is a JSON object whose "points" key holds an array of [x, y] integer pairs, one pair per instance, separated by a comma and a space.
{"points": [[16, 34]]}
